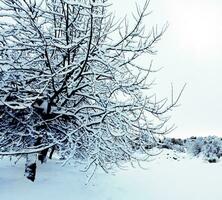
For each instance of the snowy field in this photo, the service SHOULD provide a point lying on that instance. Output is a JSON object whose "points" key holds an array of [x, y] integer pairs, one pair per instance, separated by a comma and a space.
{"points": [[170, 176]]}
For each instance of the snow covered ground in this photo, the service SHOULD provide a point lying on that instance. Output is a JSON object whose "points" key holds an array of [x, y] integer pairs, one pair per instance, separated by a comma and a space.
{"points": [[171, 176]]}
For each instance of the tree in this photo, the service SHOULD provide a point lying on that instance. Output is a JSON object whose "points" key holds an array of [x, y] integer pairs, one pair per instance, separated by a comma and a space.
{"points": [[69, 82]]}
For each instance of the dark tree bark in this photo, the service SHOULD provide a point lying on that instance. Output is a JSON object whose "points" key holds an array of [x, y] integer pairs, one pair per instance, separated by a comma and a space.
{"points": [[42, 156], [30, 171], [51, 153]]}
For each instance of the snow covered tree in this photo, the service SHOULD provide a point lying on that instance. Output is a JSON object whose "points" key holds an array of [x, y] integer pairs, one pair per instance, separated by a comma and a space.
{"points": [[70, 82]]}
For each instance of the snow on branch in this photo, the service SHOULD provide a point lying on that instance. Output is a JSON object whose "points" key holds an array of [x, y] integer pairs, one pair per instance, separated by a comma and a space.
{"points": [[70, 81]]}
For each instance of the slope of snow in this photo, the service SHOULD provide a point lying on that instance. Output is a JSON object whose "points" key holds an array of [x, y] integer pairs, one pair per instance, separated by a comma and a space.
{"points": [[170, 176]]}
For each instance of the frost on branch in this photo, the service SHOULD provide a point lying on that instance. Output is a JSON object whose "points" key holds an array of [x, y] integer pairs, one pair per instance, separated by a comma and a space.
{"points": [[70, 82]]}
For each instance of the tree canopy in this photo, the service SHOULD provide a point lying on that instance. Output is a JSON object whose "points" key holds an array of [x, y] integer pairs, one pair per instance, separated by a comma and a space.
{"points": [[70, 82]]}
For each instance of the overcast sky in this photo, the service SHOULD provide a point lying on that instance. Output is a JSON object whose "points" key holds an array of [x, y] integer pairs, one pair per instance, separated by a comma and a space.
{"points": [[190, 52]]}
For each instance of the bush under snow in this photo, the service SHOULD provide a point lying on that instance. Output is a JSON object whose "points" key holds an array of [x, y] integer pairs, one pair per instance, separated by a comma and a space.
{"points": [[209, 148]]}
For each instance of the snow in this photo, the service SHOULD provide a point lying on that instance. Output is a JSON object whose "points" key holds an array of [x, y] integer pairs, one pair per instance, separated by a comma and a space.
{"points": [[169, 176]]}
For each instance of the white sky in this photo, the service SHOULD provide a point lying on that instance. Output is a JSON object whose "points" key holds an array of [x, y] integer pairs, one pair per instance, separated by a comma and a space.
{"points": [[190, 52]]}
